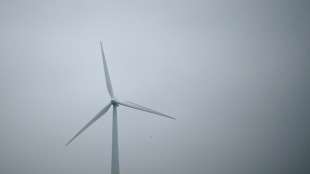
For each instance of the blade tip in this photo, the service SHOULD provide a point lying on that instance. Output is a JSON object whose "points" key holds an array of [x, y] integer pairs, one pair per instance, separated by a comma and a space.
{"points": [[169, 117], [68, 142]]}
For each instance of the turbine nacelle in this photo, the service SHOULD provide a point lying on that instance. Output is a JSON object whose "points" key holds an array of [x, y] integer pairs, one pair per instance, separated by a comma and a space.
{"points": [[114, 101]]}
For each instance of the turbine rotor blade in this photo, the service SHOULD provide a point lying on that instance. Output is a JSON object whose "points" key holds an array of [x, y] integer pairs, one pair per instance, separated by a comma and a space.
{"points": [[101, 113], [106, 72], [142, 108]]}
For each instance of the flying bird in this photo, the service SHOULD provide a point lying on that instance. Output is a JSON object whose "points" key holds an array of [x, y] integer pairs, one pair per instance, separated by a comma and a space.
{"points": [[115, 103]]}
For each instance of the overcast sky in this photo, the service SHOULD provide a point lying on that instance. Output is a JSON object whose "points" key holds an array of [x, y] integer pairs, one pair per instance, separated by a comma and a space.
{"points": [[235, 74]]}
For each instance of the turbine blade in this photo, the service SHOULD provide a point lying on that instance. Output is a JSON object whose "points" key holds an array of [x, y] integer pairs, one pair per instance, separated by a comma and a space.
{"points": [[101, 113], [142, 108], [106, 72]]}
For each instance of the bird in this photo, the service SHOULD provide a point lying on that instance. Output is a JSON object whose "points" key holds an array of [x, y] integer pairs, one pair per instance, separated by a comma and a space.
{"points": [[114, 102]]}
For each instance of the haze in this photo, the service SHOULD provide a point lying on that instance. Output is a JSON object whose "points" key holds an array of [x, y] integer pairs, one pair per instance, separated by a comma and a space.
{"points": [[235, 74]]}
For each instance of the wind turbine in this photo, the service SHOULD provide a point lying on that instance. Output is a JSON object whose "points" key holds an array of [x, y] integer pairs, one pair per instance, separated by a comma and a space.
{"points": [[115, 103]]}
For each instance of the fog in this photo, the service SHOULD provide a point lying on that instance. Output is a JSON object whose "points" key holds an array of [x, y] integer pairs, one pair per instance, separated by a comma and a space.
{"points": [[234, 74]]}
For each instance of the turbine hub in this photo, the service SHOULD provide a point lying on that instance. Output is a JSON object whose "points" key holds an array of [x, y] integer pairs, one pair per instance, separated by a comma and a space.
{"points": [[114, 101]]}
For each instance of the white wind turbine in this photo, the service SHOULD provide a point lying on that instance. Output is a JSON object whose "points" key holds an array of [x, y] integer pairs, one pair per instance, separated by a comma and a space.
{"points": [[115, 103]]}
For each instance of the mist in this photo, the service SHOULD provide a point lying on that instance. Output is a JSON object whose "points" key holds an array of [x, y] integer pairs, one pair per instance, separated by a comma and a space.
{"points": [[234, 74]]}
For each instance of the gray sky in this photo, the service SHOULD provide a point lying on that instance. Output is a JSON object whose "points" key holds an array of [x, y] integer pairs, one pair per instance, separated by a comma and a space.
{"points": [[235, 74]]}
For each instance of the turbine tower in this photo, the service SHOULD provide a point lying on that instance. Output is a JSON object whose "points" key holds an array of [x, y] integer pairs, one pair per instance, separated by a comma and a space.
{"points": [[115, 103]]}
